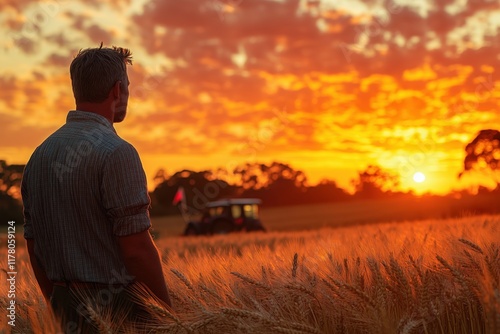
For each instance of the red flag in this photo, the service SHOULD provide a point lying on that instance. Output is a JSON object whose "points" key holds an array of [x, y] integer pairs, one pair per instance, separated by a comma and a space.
{"points": [[179, 196]]}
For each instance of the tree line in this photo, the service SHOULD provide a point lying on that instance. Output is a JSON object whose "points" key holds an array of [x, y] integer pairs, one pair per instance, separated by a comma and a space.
{"points": [[275, 184]]}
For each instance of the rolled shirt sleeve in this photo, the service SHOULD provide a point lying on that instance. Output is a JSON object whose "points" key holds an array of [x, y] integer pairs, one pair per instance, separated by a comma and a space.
{"points": [[124, 191]]}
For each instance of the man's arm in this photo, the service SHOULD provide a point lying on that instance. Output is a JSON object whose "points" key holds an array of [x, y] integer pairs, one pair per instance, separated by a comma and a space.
{"points": [[41, 277], [125, 197], [143, 261]]}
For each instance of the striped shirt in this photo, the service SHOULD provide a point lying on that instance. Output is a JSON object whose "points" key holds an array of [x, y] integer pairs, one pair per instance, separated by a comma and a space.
{"points": [[83, 187]]}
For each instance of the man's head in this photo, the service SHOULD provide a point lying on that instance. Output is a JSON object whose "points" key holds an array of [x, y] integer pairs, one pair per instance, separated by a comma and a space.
{"points": [[99, 74]]}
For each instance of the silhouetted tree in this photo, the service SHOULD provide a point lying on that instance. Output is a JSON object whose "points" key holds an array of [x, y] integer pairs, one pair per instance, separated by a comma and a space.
{"points": [[160, 176], [374, 182], [483, 154], [10, 192], [256, 176], [10, 179], [276, 184], [199, 188], [326, 191]]}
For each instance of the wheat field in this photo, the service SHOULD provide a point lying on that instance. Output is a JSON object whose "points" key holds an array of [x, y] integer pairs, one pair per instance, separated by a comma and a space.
{"points": [[434, 276]]}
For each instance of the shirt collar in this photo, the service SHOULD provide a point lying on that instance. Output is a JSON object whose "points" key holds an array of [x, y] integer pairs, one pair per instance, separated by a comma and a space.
{"points": [[87, 116]]}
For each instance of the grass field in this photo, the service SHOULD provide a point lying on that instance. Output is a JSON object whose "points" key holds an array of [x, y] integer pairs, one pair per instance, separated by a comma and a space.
{"points": [[429, 276], [314, 216]]}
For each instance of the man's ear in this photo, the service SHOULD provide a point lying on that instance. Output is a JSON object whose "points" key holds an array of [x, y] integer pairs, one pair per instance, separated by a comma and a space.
{"points": [[116, 90]]}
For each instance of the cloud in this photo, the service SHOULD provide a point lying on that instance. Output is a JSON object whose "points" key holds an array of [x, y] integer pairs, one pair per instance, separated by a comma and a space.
{"points": [[266, 78], [37, 100], [27, 45], [59, 39], [98, 34], [32, 135], [277, 38], [17, 6], [193, 30], [58, 60]]}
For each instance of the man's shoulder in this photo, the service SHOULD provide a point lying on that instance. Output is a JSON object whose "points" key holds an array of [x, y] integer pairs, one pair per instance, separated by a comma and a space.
{"points": [[123, 147], [111, 145], [83, 140]]}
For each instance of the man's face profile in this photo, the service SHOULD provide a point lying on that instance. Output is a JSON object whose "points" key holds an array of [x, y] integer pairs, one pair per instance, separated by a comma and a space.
{"points": [[121, 106]]}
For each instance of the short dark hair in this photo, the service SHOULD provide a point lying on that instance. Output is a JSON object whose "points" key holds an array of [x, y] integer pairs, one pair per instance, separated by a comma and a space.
{"points": [[94, 71]]}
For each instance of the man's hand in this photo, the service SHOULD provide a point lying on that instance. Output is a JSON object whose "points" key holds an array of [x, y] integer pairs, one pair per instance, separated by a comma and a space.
{"points": [[142, 260]]}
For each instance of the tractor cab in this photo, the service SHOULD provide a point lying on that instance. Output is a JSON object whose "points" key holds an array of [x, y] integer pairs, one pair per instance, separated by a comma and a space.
{"points": [[226, 216]]}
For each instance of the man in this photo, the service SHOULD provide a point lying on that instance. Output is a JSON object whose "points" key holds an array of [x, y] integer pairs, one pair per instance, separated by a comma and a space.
{"points": [[86, 201]]}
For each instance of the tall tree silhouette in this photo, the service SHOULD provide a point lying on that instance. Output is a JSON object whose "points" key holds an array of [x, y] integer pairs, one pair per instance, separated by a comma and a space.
{"points": [[276, 184], [374, 182], [483, 154], [199, 187], [256, 176]]}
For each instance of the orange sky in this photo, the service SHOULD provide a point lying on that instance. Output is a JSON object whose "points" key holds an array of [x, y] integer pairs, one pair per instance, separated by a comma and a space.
{"points": [[326, 86]]}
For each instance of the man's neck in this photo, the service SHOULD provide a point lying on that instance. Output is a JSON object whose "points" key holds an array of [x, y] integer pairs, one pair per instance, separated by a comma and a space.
{"points": [[102, 109]]}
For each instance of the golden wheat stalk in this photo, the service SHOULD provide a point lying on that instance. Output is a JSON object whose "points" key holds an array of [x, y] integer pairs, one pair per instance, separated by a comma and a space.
{"points": [[401, 280], [466, 284], [211, 292], [410, 326], [233, 300], [417, 267], [472, 245], [196, 326], [301, 288], [494, 270], [183, 278], [295, 264], [251, 281], [303, 328], [162, 311], [355, 291], [380, 286], [171, 328], [103, 327], [346, 268], [286, 330], [337, 291], [474, 263], [264, 274], [247, 314]]}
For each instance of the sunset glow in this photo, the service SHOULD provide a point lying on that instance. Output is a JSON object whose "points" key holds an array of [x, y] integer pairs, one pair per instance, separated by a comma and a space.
{"points": [[328, 87], [418, 177]]}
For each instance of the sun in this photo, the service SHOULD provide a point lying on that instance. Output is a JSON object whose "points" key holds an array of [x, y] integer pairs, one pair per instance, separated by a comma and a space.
{"points": [[419, 177]]}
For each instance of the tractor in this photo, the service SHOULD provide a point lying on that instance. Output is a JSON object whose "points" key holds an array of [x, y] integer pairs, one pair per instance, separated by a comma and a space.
{"points": [[226, 216]]}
